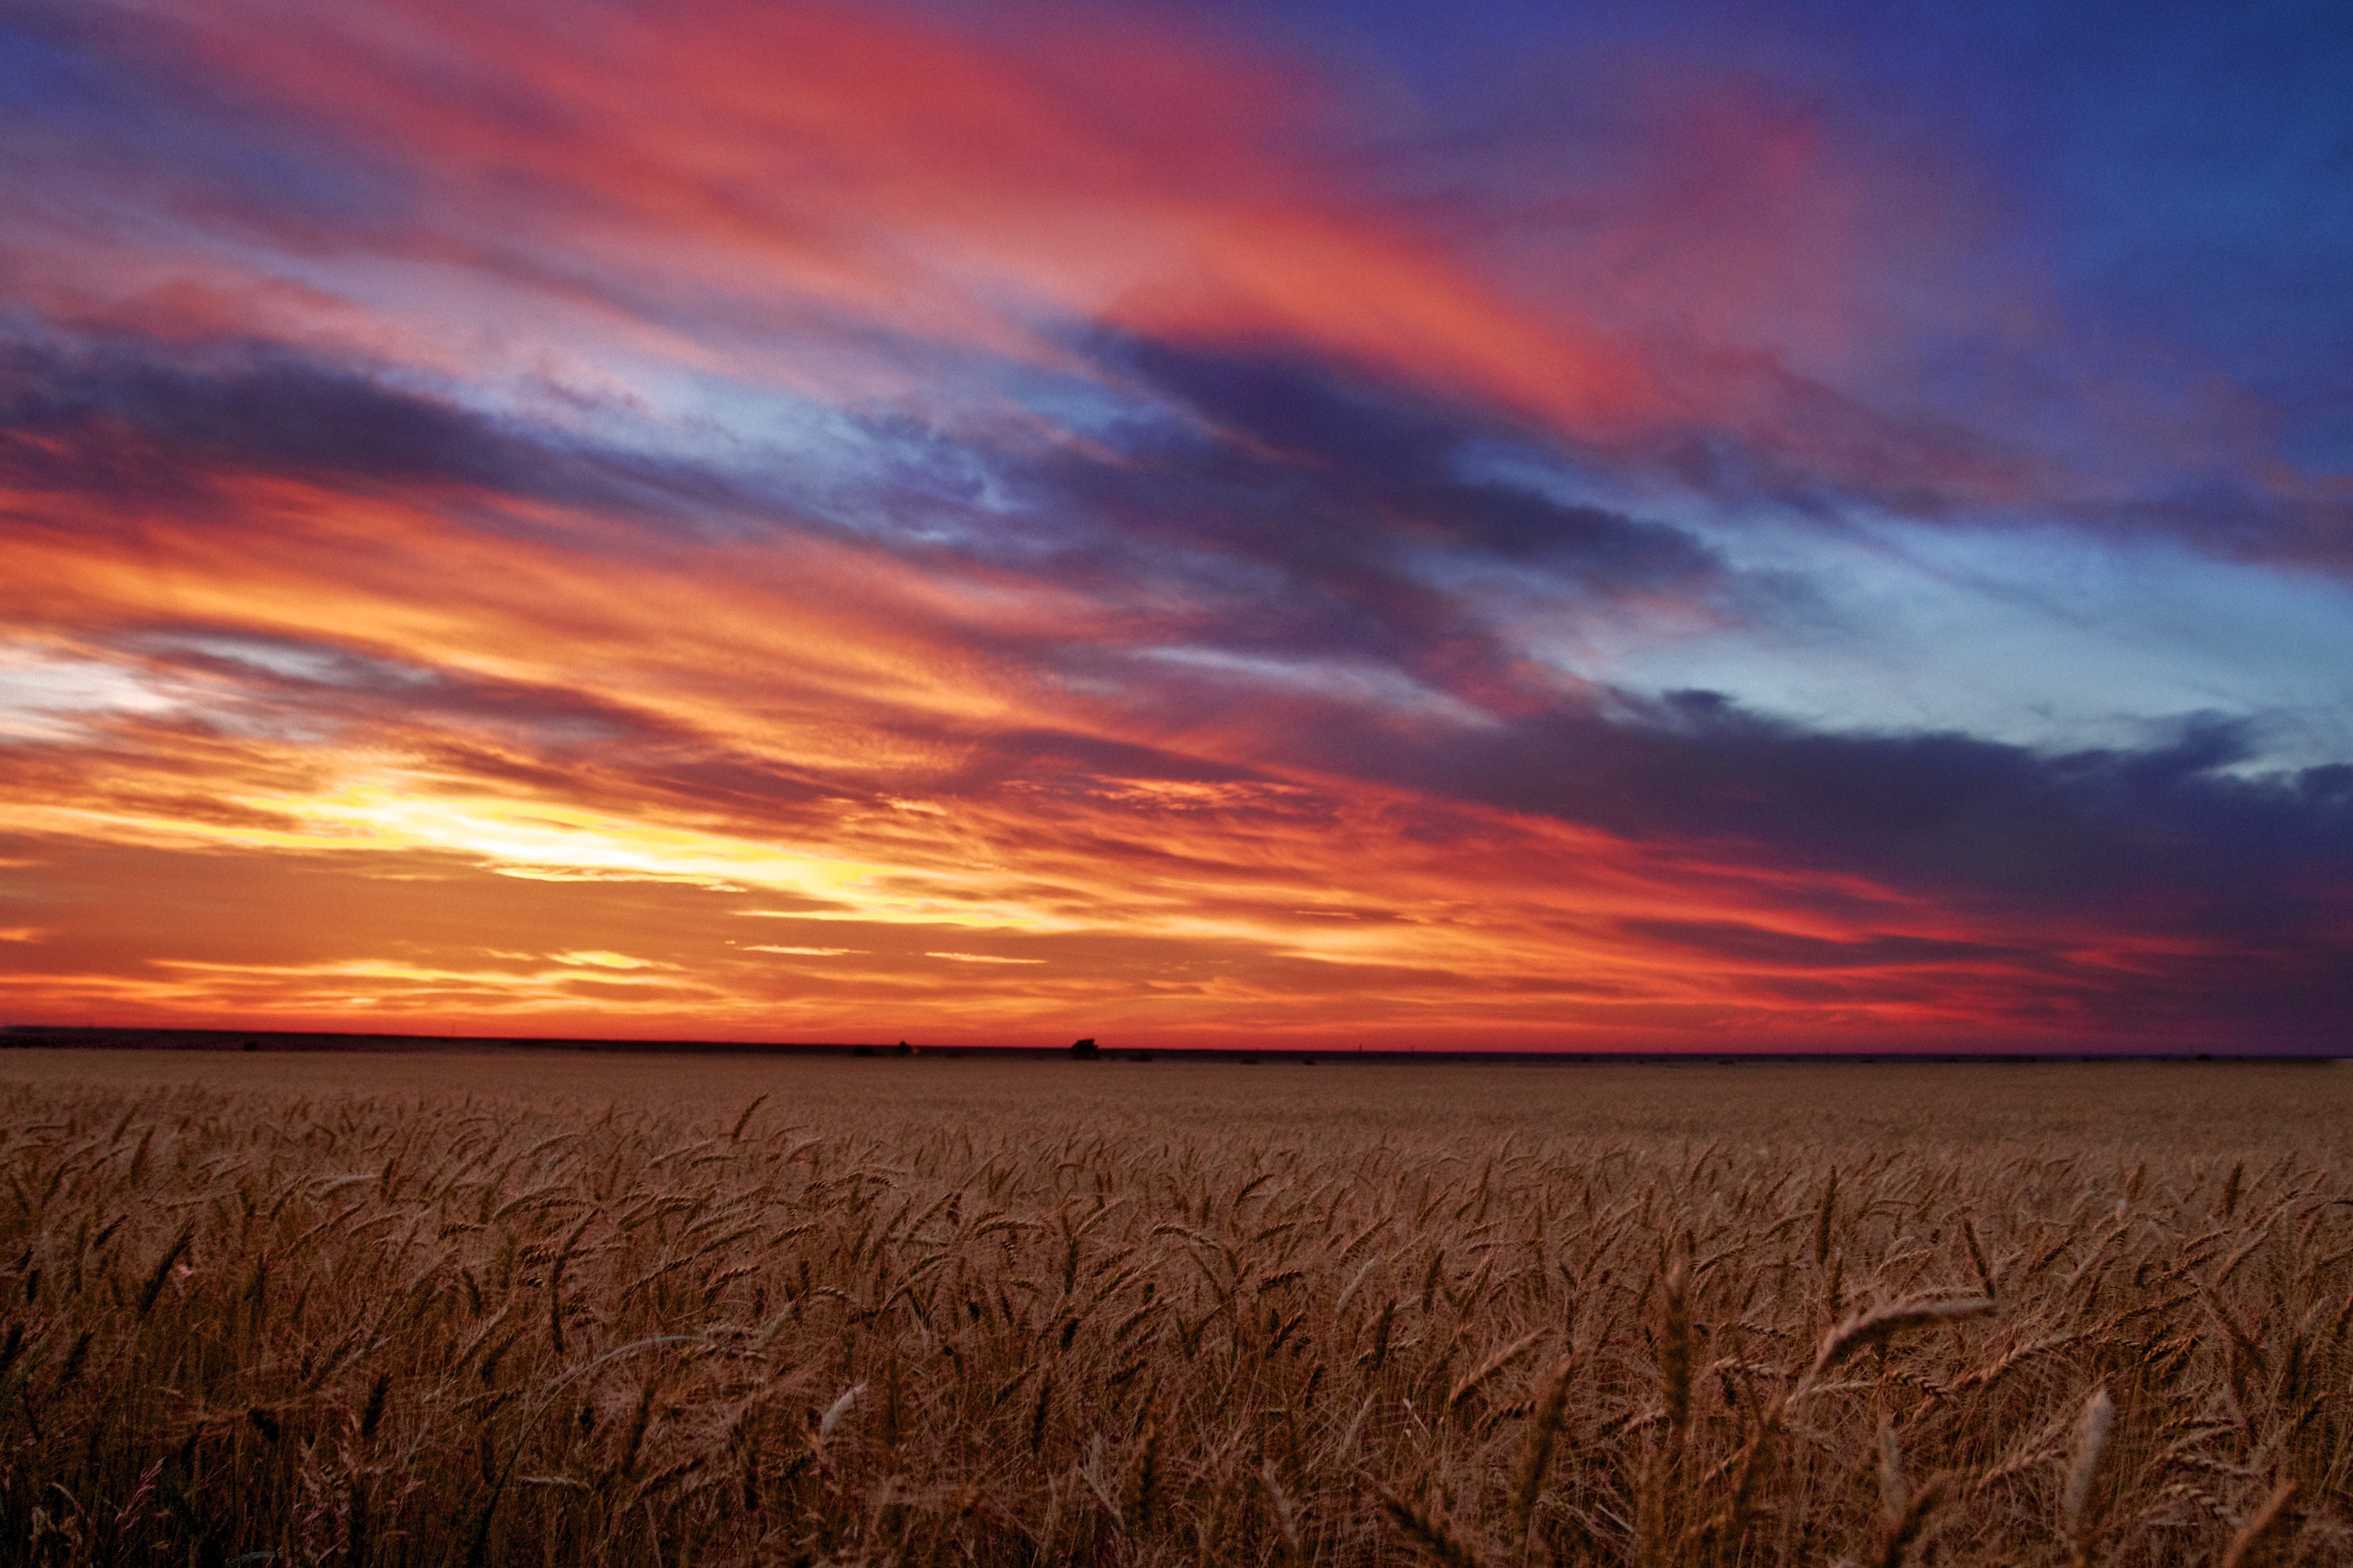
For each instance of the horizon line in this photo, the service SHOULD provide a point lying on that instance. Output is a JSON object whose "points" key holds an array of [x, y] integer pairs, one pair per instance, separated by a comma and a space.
{"points": [[87, 1035]]}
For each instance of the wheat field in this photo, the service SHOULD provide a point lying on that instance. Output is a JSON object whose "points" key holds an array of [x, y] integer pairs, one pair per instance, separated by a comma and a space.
{"points": [[508, 1310]]}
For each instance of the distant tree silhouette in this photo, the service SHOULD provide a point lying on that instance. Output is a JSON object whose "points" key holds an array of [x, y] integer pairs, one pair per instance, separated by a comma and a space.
{"points": [[1083, 1050]]}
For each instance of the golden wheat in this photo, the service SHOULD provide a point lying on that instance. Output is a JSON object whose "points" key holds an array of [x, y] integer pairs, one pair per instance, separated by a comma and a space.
{"points": [[375, 1331]]}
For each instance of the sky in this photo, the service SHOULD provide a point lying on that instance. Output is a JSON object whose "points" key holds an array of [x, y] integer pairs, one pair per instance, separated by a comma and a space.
{"points": [[1663, 526]]}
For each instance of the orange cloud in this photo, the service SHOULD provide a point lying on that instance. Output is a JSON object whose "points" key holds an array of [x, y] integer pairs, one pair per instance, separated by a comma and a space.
{"points": [[846, 686]]}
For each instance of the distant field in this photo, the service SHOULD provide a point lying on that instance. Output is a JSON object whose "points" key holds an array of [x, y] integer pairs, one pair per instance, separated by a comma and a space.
{"points": [[350, 1309], [2189, 1106]]}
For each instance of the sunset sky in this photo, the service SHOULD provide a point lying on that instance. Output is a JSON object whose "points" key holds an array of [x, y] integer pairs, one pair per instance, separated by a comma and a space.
{"points": [[1574, 526]]}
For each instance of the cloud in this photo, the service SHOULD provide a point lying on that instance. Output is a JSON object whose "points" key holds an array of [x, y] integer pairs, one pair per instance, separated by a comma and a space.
{"points": [[1943, 811], [1088, 484], [375, 700], [881, 194], [1748, 944], [124, 412]]}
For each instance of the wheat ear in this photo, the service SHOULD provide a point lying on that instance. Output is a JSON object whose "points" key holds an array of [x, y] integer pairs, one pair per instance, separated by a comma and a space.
{"points": [[2091, 1438], [1864, 1329], [1536, 1450]]}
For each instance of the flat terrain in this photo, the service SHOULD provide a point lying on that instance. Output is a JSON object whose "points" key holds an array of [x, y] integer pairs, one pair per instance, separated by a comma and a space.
{"points": [[586, 1307], [2149, 1106]]}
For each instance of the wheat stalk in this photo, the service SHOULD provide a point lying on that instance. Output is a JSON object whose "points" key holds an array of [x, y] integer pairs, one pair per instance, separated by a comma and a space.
{"points": [[1903, 1531], [1427, 1529], [2269, 1518]]}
